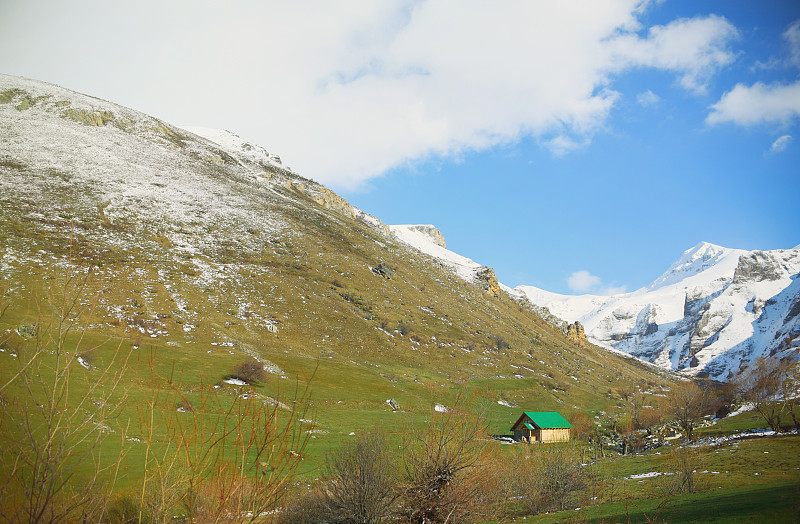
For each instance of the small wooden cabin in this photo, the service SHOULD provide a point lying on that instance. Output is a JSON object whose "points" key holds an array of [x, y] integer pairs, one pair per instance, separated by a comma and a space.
{"points": [[541, 426]]}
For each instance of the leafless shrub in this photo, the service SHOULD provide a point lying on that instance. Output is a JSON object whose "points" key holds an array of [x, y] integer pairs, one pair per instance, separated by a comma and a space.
{"points": [[124, 510], [250, 371], [231, 459], [360, 484], [55, 425], [681, 464], [441, 481], [307, 507], [403, 328], [500, 343], [551, 477]]}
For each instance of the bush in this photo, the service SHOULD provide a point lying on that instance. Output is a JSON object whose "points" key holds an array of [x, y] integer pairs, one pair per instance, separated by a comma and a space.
{"points": [[250, 371], [501, 343], [307, 507], [360, 481], [403, 328], [443, 469], [126, 510], [551, 478], [683, 463]]}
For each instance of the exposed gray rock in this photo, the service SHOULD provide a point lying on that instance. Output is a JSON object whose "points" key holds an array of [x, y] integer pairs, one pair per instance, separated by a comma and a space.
{"points": [[757, 267], [384, 270]]}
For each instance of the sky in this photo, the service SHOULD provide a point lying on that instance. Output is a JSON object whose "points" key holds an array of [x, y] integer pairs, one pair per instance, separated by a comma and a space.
{"points": [[576, 146]]}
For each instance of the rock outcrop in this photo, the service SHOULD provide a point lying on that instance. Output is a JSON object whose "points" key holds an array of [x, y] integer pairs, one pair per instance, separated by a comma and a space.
{"points": [[486, 278], [758, 266], [383, 270], [432, 232], [576, 334]]}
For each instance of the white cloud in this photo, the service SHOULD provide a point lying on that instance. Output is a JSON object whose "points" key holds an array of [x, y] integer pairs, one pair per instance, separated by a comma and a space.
{"points": [[693, 48], [792, 37], [346, 90], [561, 144], [584, 282], [648, 98], [757, 104], [781, 144]]}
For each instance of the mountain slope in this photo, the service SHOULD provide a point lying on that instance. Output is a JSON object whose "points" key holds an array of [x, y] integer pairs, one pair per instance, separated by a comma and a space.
{"points": [[208, 251], [713, 312]]}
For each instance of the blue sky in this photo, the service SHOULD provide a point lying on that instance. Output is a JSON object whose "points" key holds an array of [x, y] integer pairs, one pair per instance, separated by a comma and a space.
{"points": [[654, 182], [574, 146]]}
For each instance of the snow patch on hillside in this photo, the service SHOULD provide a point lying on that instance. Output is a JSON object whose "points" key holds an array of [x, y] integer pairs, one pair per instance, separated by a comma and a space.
{"points": [[414, 237], [234, 144]]}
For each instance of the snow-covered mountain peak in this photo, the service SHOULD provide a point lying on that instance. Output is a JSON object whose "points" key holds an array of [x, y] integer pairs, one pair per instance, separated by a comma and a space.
{"points": [[704, 258], [712, 313], [235, 144]]}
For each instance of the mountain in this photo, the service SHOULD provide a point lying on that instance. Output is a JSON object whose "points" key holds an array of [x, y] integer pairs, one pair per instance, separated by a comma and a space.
{"points": [[712, 313], [203, 249]]}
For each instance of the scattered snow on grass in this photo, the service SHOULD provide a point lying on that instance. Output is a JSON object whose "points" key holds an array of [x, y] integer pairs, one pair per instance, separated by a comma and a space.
{"points": [[648, 475]]}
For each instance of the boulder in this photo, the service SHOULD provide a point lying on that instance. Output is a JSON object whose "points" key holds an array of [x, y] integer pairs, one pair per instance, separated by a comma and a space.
{"points": [[384, 270]]}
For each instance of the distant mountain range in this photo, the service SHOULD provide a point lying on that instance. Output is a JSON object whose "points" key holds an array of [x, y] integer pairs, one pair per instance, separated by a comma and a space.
{"points": [[191, 209], [712, 313]]}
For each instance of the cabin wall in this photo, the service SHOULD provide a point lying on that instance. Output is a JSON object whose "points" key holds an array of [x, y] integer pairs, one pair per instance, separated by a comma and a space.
{"points": [[555, 435]]}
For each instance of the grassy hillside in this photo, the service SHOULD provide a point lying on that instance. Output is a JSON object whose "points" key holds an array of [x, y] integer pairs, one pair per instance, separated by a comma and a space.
{"points": [[163, 261]]}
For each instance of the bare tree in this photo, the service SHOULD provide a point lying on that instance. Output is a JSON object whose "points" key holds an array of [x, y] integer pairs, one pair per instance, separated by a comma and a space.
{"points": [[685, 403], [633, 399], [360, 484], [761, 385], [442, 466], [790, 390], [61, 413]]}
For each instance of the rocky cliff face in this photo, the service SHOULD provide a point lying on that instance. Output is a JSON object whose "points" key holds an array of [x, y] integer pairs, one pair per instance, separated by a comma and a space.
{"points": [[576, 334], [712, 313], [488, 281]]}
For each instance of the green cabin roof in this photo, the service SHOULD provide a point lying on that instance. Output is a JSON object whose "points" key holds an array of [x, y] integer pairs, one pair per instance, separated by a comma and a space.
{"points": [[546, 419]]}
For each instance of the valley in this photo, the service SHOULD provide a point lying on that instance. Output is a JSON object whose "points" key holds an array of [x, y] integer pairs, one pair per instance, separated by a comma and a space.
{"points": [[141, 265]]}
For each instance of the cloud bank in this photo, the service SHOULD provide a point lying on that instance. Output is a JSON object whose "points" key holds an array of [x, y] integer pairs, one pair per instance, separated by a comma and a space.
{"points": [[346, 90]]}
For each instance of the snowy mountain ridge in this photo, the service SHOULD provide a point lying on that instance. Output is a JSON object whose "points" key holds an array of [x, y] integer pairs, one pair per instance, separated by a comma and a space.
{"points": [[134, 177], [712, 313], [714, 310]]}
